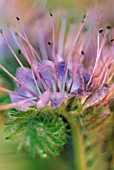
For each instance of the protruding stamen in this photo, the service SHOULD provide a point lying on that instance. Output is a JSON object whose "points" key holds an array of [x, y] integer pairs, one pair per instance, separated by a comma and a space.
{"points": [[22, 29], [61, 37], [71, 50], [75, 60], [16, 80], [94, 29], [16, 57], [24, 51], [39, 92], [5, 90], [110, 78], [53, 40], [53, 49], [8, 106], [42, 45], [99, 49], [19, 34]]}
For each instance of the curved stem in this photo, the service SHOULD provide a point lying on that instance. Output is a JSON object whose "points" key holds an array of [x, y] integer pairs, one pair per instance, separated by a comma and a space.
{"points": [[78, 146]]}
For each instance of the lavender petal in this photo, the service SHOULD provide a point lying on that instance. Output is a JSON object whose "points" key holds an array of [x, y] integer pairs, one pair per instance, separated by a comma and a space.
{"points": [[48, 78], [86, 77], [44, 99], [47, 65], [56, 99], [16, 97], [97, 97], [27, 78], [77, 85]]}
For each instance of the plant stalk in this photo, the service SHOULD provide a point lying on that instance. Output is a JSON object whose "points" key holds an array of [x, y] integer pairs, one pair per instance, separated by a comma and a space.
{"points": [[78, 146]]}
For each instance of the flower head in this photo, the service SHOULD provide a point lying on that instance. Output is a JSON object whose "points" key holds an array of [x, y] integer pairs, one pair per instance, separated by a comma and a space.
{"points": [[81, 68]]}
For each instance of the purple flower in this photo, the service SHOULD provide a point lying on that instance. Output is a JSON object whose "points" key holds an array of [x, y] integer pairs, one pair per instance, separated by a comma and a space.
{"points": [[66, 73]]}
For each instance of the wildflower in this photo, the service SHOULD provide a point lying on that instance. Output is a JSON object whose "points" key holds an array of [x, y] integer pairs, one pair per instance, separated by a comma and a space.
{"points": [[53, 81]]}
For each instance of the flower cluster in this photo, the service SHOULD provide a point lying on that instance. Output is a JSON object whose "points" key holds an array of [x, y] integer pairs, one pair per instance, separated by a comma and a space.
{"points": [[84, 69]]}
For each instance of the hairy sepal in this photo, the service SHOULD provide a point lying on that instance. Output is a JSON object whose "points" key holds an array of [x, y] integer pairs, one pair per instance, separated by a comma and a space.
{"points": [[39, 131]]}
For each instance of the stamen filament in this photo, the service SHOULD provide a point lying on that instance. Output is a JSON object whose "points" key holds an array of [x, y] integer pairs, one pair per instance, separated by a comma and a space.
{"points": [[11, 27], [13, 52], [14, 78], [8, 106], [5, 90]]}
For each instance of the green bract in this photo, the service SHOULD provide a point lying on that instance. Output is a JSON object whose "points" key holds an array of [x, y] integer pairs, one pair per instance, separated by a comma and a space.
{"points": [[40, 131]]}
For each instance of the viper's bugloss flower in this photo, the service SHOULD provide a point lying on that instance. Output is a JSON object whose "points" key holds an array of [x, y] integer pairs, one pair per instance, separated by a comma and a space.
{"points": [[78, 67]]}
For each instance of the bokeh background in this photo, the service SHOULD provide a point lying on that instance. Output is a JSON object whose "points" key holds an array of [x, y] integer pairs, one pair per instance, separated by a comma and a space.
{"points": [[9, 9]]}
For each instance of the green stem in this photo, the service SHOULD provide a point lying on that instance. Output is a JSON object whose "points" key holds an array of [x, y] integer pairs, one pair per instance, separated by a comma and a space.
{"points": [[79, 154]]}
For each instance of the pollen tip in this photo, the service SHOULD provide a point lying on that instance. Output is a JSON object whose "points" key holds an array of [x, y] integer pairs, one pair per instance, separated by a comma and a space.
{"points": [[100, 31], [84, 16], [106, 85], [1, 31], [112, 40], [19, 51], [51, 14], [108, 27], [82, 52], [16, 33], [18, 18], [49, 43]]}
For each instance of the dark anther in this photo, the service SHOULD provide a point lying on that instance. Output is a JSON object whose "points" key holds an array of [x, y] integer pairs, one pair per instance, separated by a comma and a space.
{"points": [[17, 18], [108, 27], [106, 85], [84, 16], [1, 31], [51, 14], [100, 31], [49, 43], [16, 33], [82, 52], [19, 51], [111, 40]]}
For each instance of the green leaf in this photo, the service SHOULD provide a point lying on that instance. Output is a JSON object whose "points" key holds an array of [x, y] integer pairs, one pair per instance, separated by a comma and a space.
{"points": [[39, 131]]}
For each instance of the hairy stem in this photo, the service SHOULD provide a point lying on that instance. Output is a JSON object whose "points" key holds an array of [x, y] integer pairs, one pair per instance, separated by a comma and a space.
{"points": [[78, 146]]}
